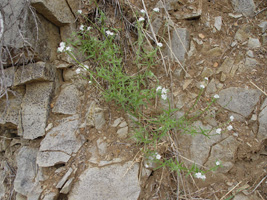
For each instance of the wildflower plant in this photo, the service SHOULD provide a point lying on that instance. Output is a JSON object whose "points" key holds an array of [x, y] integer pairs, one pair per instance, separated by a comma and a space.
{"points": [[132, 92]]}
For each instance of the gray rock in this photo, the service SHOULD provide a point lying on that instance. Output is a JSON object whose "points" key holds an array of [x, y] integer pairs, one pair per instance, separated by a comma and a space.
{"points": [[263, 26], [224, 152], [61, 64], [264, 39], [242, 33], [113, 182], [200, 153], [64, 178], [8, 79], [211, 88], [246, 7], [179, 44], [48, 159], [52, 195], [10, 115], [21, 26], [67, 101], [27, 170], [156, 24], [262, 133], [66, 188], [95, 116], [2, 185], [226, 66], [59, 143], [35, 72], [99, 119], [123, 132], [254, 43], [239, 100], [250, 53], [250, 63], [58, 12], [218, 23], [35, 109], [102, 146]]}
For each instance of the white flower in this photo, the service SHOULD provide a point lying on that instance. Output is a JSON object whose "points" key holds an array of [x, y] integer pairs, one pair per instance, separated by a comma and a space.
{"points": [[218, 130], [164, 91], [89, 28], [146, 165], [156, 9], [61, 47], [216, 96], [142, 11], [86, 66], [159, 44], [80, 11], [78, 71], [217, 163], [232, 118], [90, 82], [68, 49], [200, 175], [158, 156], [82, 27], [159, 88], [206, 78], [141, 19], [109, 33], [164, 96], [230, 127], [202, 86]]}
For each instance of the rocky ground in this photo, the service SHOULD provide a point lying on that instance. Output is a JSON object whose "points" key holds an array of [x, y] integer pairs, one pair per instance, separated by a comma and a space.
{"points": [[60, 140]]}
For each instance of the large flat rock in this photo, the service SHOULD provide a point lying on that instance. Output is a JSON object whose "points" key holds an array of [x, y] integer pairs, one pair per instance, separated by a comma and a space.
{"points": [[239, 100], [35, 72], [113, 182], [35, 109], [57, 12], [59, 143], [246, 7]]}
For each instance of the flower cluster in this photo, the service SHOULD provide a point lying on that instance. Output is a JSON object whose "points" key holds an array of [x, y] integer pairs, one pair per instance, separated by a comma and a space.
{"points": [[109, 33], [200, 175], [159, 44], [62, 47], [163, 92]]}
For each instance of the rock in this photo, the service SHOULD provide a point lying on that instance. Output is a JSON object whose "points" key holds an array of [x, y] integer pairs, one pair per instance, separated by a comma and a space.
{"points": [[250, 63], [117, 122], [67, 101], [262, 133], [35, 109], [211, 88], [20, 197], [253, 43], [214, 52], [207, 72], [123, 124], [123, 132], [224, 152], [21, 36], [179, 44], [66, 32], [51, 196], [64, 178], [35, 72], [10, 115], [239, 100], [226, 66], [246, 7], [58, 12], [2, 185], [8, 79], [242, 33], [27, 170], [113, 182], [250, 53], [192, 49], [264, 39], [74, 6], [235, 16], [205, 142], [102, 146], [95, 116], [59, 143], [61, 64], [263, 26], [66, 188], [241, 196], [218, 23]]}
